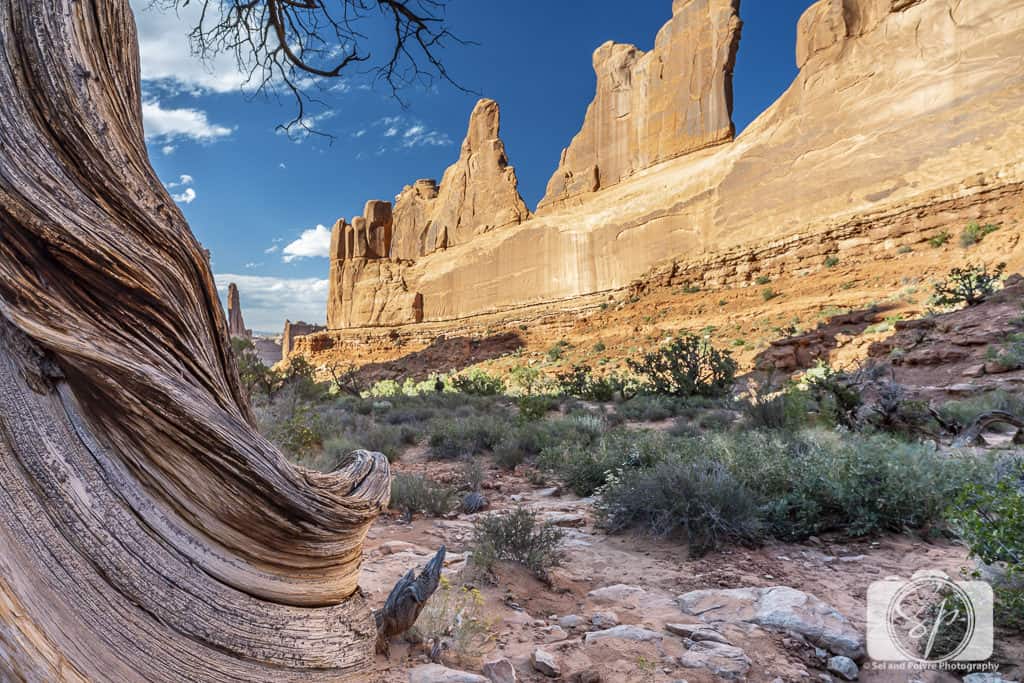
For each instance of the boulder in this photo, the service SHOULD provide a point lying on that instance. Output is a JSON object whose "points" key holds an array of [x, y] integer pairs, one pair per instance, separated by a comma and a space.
{"points": [[781, 608], [844, 667], [604, 619], [720, 659], [435, 673], [623, 632], [500, 671], [545, 663]]}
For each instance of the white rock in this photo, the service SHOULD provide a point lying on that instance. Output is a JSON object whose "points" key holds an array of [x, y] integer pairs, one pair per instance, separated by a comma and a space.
{"points": [[570, 621], [781, 608], [844, 667], [722, 660], [620, 592], [500, 671], [545, 663], [623, 632], [604, 619], [435, 673]]}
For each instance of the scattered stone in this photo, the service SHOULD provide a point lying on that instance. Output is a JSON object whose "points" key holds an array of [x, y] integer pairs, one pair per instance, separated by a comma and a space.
{"points": [[844, 667], [779, 607], [566, 519], [552, 634], [545, 663], [435, 673], [620, 592], [500, 671], [586, 676], [624, 632], [697, 632], [722, 660], [604, 619], [570, 621]]}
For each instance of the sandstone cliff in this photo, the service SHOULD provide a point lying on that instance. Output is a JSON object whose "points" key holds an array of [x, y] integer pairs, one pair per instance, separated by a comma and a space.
{"points": [[236, 324], [292, 332], [654, 106], [478, 193], [907, 116]]}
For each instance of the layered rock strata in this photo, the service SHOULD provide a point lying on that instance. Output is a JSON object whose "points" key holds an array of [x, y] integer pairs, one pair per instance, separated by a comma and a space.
{"points": [[901, 109], [293, 332], [236, 323]]}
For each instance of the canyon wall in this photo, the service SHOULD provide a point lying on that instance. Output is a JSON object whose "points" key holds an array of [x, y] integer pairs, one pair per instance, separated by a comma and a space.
{"points": [[900, 108], [654, 106]]}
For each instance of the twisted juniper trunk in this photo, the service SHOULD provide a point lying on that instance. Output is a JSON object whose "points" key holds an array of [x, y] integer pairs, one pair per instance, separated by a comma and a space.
{"points": [[147, 531]]}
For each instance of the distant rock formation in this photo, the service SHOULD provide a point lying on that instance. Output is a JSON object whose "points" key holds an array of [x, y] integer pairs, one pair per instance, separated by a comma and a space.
{"points": [[293, 331], [478, 193], [236, 324], [657, 105]]}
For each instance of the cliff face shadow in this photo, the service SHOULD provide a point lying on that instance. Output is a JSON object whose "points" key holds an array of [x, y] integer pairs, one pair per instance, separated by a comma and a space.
{"points": [[802, 351], [444, 354]]}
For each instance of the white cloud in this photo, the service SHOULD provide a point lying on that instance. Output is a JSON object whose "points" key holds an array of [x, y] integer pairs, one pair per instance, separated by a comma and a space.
{"points": [[282, 165], [268, 301], [391, 132], [359, 133], [315, 243], [168, 150], [167, 57], [183, 181], [272, 249], [306, 127], [412, 133], [186, 197], [171, 124]]}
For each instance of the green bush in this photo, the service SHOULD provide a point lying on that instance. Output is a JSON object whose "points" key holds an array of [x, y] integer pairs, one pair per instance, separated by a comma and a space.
{"points": [[975, 233], [580, 382], [529, 439], [786, 409], [687, 366], [940, 239], [699, 499], [991, 520], [762, 280], [964, 411], [535, 406], [1009, 354], [584, 467], [478, 383], [465, 437], [519, 536], [298, 435], [411, 494], [969, 285], [653, 408], [831, 261], [768, 294]]}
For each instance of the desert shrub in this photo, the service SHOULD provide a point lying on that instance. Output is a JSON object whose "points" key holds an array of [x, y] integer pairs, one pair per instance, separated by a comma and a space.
{"points": [[528, 380], [529, 439], [299, 434], [584, 467], [1009, 354], [786, 409], [991, 520], [516, 535], [967, 286], [687, 366], [465, 437], [964, 411], [478, 383], [975, 233], [699, 499], [816, 480], [762, 280], [471, 474], [535, 406], [411, 494], [768, 294], [831, 261], [384, 388], [652, 408], [556, 352], [580, 382], [717, 420], [455, 617], [837, 399], [599, 347], [251, 370], [940, 239]]}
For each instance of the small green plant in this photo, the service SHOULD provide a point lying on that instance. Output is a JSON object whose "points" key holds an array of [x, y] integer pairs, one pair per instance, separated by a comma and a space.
{"points": [[975, 233], [762, 280], [1009, 354], [940, 239], [580, 382], [517, 535], [456, 617], [412, 494], [535, 406], [904, 249], [831, 261], [968, 286], [466, 437], [690, 289], [599, 347], [768, 294], [556, 352], [686, 366]]}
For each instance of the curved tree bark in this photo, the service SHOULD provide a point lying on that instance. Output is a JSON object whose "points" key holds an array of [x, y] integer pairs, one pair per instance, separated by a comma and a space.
{"points": [[147, 531]]}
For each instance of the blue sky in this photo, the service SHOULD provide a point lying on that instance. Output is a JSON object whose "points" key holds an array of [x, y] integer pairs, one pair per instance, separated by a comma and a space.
{"points": [[255, 198]]}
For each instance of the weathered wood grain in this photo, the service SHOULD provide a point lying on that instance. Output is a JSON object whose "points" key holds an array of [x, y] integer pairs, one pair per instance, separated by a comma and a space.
{"points": [[147, 531]]}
